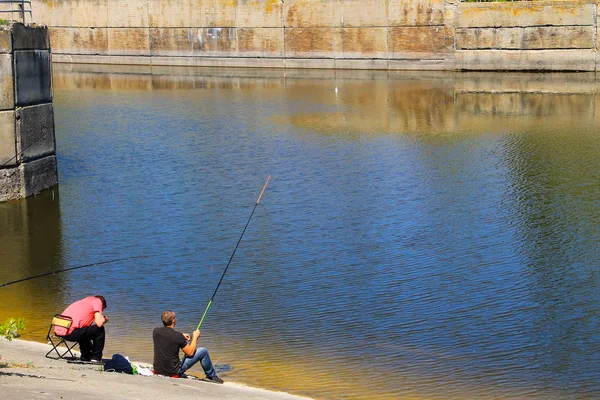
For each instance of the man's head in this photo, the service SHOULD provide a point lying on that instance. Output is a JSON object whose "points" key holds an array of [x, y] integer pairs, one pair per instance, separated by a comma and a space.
{"points": [[103, 301], [168, 318]]}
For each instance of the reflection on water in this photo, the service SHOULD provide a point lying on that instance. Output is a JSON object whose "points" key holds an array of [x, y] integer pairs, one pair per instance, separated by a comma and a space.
{"points": [[424, 235]]}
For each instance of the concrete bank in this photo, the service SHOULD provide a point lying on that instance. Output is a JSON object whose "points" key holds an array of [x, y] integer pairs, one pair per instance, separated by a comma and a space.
{"points": [[25, 373], [542, 35]]}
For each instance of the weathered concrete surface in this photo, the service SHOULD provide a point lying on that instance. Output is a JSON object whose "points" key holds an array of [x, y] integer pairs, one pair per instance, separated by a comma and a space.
{"points": [[7, 97], [29, 38], [27, 146], [35, 127], [5, 40], [32, 77], [8, 149], [38, 175], [392, 34], [11, 185]]}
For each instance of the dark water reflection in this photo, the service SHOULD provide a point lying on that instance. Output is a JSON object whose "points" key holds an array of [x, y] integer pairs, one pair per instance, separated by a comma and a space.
{"points": [[424, 235]]}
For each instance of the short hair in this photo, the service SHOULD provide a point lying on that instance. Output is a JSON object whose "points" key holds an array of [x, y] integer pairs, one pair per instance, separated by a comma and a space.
{"points": [[167, 317], [103, 301]]}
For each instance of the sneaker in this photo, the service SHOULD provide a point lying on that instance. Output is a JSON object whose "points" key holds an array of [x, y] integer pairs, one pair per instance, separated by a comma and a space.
{"points": [[214, 379]]}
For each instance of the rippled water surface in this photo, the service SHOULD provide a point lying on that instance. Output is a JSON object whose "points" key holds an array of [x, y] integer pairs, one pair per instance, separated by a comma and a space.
{"points": [[423, 236]]}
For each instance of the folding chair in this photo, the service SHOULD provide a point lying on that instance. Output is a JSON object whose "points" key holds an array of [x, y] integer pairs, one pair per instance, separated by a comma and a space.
{"points": [[56, 340]]}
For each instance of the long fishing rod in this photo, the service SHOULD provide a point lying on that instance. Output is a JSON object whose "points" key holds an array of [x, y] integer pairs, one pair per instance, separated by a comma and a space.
{"points": [[20, 153], [232, 254], [69, 269]]}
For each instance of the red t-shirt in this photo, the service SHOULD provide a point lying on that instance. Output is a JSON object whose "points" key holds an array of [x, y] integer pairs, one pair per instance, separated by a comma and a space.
{"points": [[82, 313]]}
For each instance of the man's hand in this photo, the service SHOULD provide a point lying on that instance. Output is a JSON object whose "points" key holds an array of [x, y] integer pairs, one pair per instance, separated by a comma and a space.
{"points": [[196, 334], [186, 336]]}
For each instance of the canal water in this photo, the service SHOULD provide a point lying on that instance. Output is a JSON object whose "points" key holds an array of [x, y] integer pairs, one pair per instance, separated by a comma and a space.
{"points": [[423, 235]]}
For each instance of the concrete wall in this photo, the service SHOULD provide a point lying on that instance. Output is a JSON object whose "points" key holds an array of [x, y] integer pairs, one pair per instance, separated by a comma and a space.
{"points": [[355, 34], [27, 143]]}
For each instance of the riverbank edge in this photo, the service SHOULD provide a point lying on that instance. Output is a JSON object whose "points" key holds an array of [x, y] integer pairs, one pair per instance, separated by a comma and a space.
{"points": [[26, 373]]}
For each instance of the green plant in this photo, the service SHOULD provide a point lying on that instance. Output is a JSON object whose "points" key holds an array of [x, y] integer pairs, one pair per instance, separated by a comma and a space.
{"points": [[3, 22], [10, 328]]}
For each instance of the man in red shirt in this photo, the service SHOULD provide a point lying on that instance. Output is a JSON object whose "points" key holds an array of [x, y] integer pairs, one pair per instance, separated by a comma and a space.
{"points": [[87, 328]]}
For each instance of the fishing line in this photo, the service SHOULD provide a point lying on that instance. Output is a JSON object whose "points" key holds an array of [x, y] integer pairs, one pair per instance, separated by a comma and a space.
{"points": [[232, 254], [69, 269]]}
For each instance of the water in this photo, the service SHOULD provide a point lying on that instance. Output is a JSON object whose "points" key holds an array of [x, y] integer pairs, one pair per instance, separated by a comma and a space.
{"points": [[423, 235]]}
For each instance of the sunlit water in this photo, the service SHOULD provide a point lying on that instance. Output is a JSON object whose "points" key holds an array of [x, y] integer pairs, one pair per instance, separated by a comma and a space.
{"points": [[423, 236]]}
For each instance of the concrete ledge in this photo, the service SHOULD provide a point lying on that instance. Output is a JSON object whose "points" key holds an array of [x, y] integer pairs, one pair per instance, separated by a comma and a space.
{"points": [[35, 127], [526, 60], [39, 175], [8, 149], [417, 65], [361, 64], [32, 77]]}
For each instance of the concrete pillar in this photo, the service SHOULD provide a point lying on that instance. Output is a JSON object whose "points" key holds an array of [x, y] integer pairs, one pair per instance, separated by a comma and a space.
{"points": [[27, 141]]}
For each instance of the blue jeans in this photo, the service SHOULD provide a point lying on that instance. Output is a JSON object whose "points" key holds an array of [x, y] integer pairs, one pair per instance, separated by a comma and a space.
{"points": [[201, 355]]}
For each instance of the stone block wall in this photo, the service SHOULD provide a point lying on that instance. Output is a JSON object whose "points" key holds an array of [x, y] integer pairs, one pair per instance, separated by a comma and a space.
{"points": [[27, 142], [356, 34]]}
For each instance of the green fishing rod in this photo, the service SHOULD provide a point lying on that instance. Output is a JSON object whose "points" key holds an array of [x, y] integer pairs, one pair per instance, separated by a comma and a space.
{"points": [[232, 254], [68, 269]]}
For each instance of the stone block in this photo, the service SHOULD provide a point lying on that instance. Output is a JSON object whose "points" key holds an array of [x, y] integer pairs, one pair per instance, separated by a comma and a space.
{"points": [[62, 40], [32, 77], [53, 12], [89, 40], [564, 37], [169, 13], [489, 38], [10, 184], [303, 14], [416, 12], [364, 42], [8, 149], [524, 14], [213, 13], [353, 13], [526, 60], [35, 128], [172, 42], [30, 38], [7, 97], [434, 39], [210, 42], [129, 41], [309, 42], [88, 14], [39, 175], [127, 13], [259, 14], [260, 42], [5, 40]]}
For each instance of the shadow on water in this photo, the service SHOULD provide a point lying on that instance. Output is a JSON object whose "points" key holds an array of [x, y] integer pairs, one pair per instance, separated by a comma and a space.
{"points": [[424, 235]]}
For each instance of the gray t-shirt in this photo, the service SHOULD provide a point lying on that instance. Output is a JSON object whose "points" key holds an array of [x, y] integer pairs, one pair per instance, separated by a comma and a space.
{"points": [[167, 342]]}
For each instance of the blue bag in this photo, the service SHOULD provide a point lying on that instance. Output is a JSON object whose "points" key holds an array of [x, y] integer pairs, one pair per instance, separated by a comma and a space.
{"points": [[118, 363]]}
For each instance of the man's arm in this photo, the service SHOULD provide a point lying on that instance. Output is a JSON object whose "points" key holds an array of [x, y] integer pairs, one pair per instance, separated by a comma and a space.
{"points": [[190, 348], [100, 319]]}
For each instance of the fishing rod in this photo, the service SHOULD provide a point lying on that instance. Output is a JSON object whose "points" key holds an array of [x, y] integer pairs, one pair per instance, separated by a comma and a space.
{"points": [[232, 254], [69, 269], [20, 153]]}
